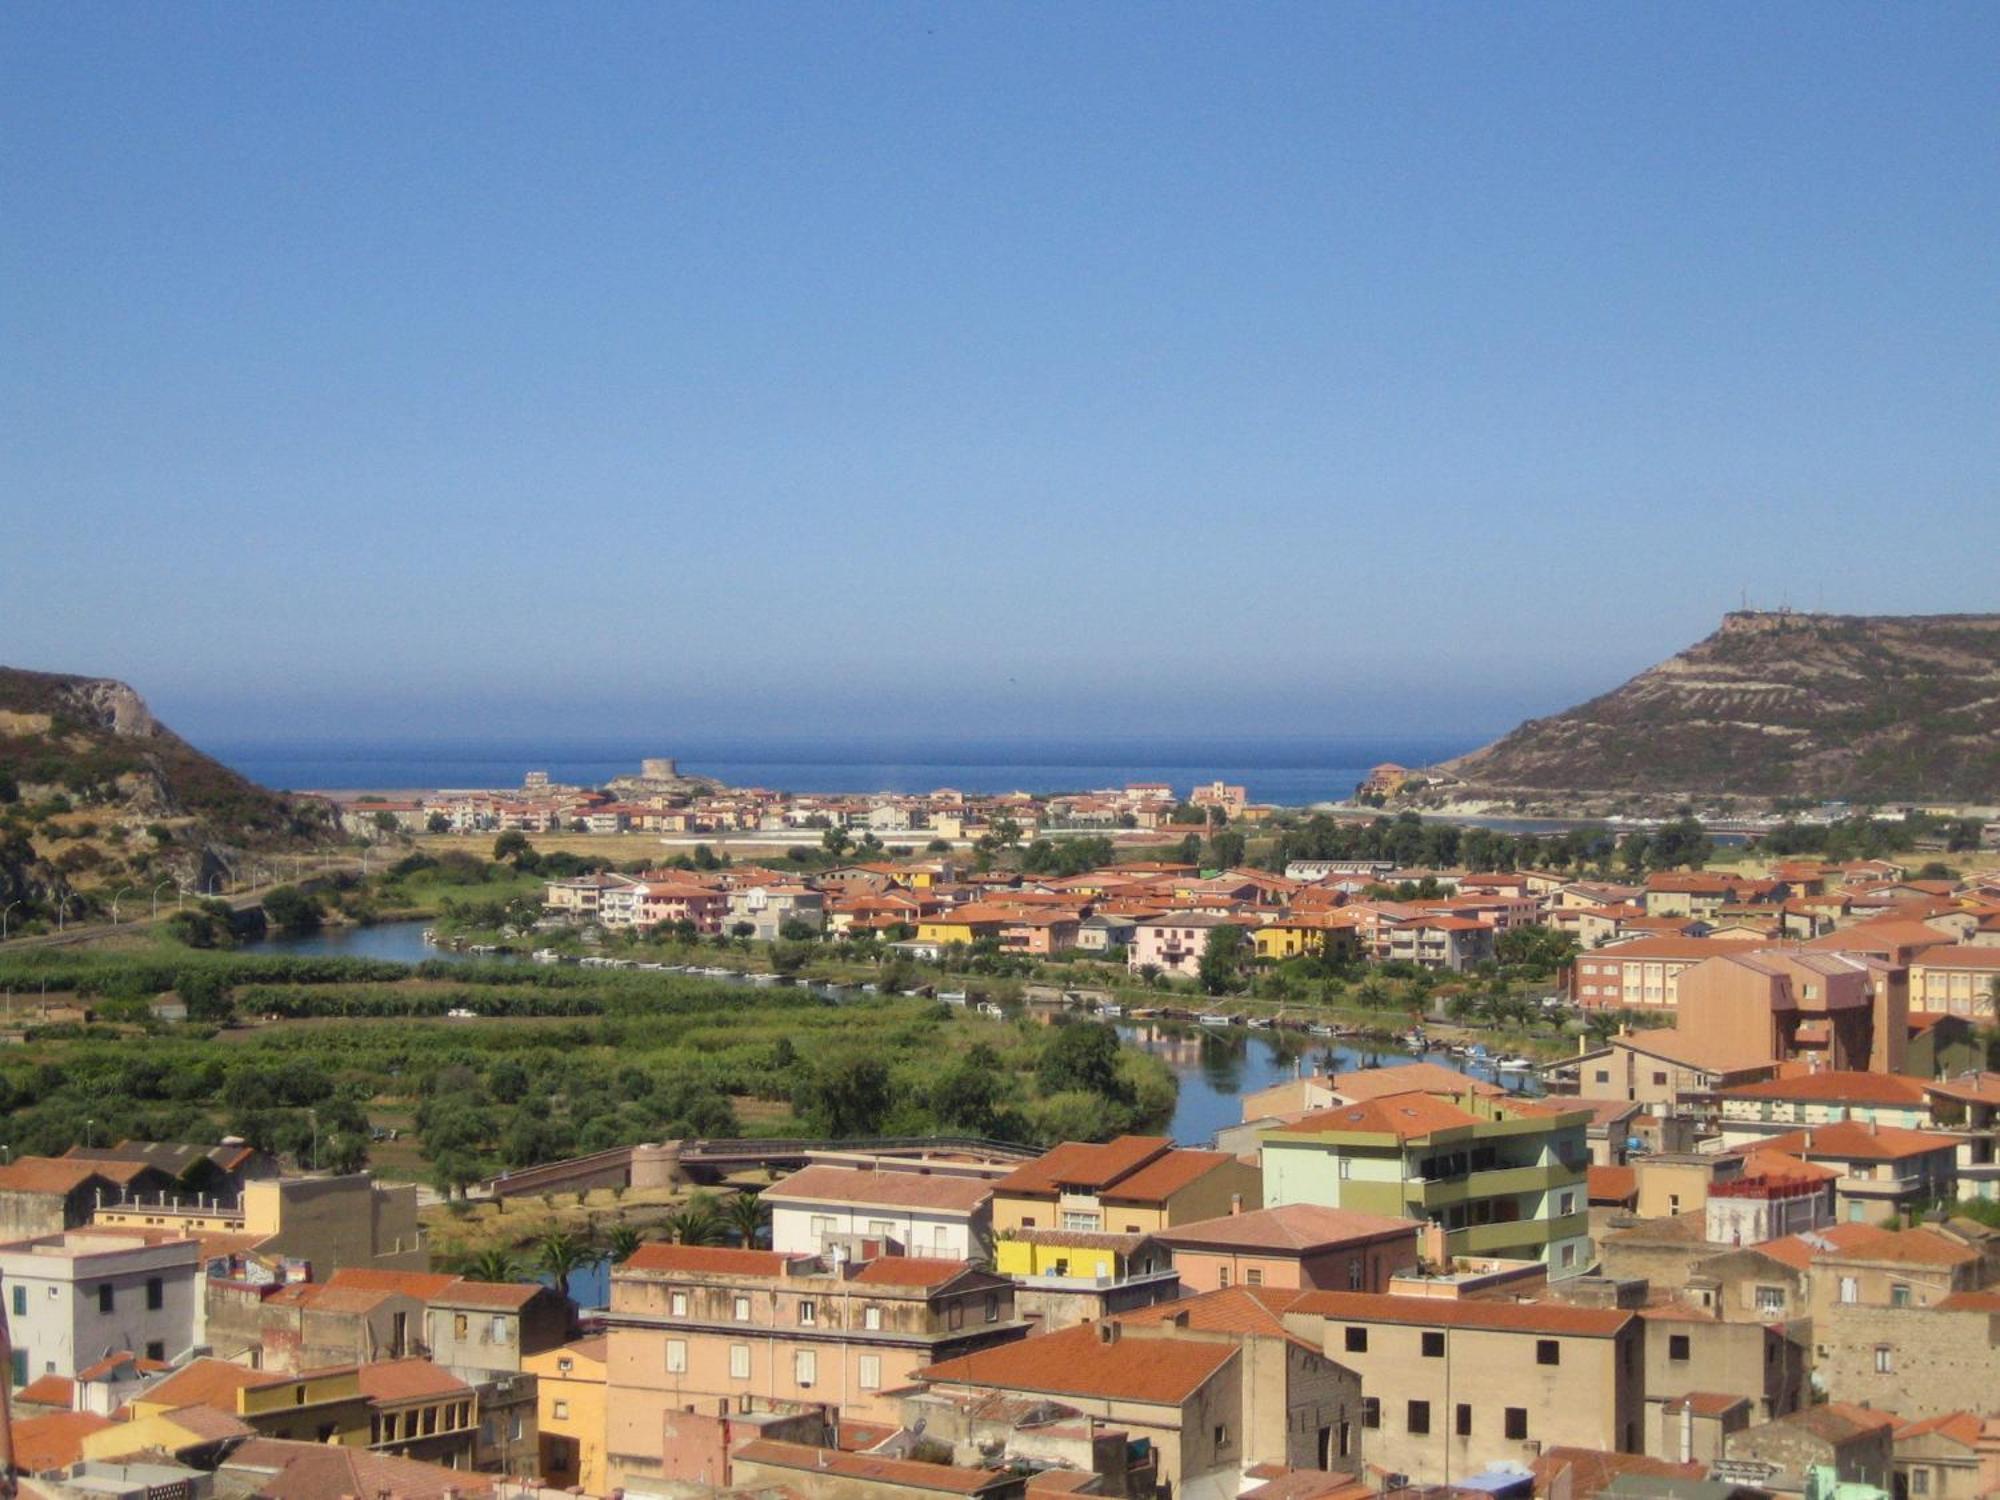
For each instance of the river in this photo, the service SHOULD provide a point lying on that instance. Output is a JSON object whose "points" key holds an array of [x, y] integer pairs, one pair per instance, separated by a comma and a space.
{"points": [[1215, 1068]]}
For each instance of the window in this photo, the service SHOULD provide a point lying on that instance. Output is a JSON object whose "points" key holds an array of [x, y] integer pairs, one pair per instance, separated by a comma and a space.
{"points": [[562, 1411], [1517, 1422], [1885, 1361], [1462, 1420], [1604, 1075], [992, 1308], [460, 1325], [808, 1314], [1659, 1080], [1569, 1255], [1677, 1346], [156, 1350], [821, 1226], [156, 1294], [1222, 1277], [1346, 1168], [677, 1304], [1354, 1275], [1221, 1435], [1357, 1340], [496, 1330], [1850, 1289], [956, 1317], [1899, 1295], [514, 1428], [677, 1356], [741, 1310], [1371, 1412], [1254, 1276], [1418, 1419], [20, 1301], [805, 1367], [870, 1367], [880, 1228], [105, 1298], [1920, 1481], [1433, 1345], [1548, 1352], [739, 1361], [871, 1316], [1566, 1203]]}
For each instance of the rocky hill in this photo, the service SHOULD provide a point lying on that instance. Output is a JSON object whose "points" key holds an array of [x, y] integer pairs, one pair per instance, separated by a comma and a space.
{"points": [[95, 790], [1867, 709]]}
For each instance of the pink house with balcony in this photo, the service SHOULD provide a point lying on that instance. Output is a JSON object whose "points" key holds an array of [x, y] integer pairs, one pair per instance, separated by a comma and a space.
{"points": [[1173, 942]]}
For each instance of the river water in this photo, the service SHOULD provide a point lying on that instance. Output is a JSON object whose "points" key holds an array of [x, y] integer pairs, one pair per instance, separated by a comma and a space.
{"points": [[1215, 1068]]}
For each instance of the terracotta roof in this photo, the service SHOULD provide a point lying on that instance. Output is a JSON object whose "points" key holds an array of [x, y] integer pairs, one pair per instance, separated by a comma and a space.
{"points": [[1294, 1227], [112, 1363], [1402, 1078], [1082, 1165], [1850, 1140], [208, 1424], [1077, 1362], [1159, 1180], [318, 1471], [1402, 1116], [1836, 1086], [1836, 1420], [707, 1260], [208, 1382], [48, 1390], [489, 1294], [54, 1174], [1236, 1309], [408, 1380], [1306, 1484], [422, 1285], [1613, 1184], [910, 1270], [1557, 1318], [1961, 1427], [1592, 1470], [1707, 1403], [867, 1470], [54, 1441], [1986, 1302], [825, 1183], [1868, 1242], [1759, 1162]]}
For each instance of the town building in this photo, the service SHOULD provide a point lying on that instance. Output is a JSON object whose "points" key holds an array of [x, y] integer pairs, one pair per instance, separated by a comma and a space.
{"points": [[926, 1207], [1294, 1246], [78, 1296], [571, 1381]]}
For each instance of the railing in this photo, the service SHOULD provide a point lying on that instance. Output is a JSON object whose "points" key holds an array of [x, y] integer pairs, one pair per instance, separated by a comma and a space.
{"points": [[1488, 1239], [1494, 1183]]}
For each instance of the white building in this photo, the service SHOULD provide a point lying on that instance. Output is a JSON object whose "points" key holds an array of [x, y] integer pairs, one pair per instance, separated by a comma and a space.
{"points": [[75, 1297], [924, 1208]]}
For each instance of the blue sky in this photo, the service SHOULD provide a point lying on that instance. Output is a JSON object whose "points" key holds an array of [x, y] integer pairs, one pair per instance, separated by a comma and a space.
{"points": [[407, 369]]}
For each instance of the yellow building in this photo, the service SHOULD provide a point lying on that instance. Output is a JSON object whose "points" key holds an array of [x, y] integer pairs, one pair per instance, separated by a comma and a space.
{"points": [[968, 924], [1077, 1255], [1303, 937], [570, 1413], [325, 1407], [349, 1220]]}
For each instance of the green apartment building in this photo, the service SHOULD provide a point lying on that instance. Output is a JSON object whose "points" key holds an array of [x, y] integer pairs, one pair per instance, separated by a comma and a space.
{"points": [[1500, 1176]]}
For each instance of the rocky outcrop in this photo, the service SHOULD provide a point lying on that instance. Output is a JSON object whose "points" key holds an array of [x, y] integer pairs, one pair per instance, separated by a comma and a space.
{"points": [[1867, 709]]}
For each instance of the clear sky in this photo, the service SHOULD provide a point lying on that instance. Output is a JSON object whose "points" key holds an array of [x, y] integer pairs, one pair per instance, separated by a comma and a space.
{"points": [[411, 368]]}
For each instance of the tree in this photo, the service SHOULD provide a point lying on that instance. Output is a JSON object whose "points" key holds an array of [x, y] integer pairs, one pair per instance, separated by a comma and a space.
{"points": [[747, 1216], [622, 1241], [835, 841], [1227, 847], [452, 1172], [848, 1096], [1189, 852], [967, 1096], [491, 1264], [292, 910], [558, 1254], [1222, 959], [385, 822], [1081, 1057], [696, 1223]]}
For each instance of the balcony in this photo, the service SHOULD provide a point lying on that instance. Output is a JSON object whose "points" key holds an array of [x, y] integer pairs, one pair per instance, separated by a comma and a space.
{"points": [[1532, 1235], [1446, 1192]]}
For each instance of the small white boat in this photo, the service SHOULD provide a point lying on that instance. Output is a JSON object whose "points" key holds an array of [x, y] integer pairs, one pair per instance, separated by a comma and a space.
{"points": [[1111, 1012], [546, 956], [1515, 1064], [952, 997], [1319, 1028], [1214, 1018], [460, 1013]]}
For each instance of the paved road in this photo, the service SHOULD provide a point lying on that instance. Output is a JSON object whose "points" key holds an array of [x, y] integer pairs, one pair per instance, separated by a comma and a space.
{"points": [[83, 932]]}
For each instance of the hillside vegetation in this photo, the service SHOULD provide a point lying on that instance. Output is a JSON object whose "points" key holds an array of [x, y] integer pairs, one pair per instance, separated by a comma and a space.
{"points": [[1867, 709]]}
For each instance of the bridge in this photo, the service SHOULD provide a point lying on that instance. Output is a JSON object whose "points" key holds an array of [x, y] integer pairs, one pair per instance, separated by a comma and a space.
{"points": [[670, 1164]]}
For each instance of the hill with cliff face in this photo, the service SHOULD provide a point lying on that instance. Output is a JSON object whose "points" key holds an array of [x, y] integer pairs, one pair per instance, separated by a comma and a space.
{"points": [[95, 790], [1868, 709]]}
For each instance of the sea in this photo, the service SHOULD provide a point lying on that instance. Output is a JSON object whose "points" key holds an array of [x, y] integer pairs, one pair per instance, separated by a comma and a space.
{"points": [[1290, 771]]}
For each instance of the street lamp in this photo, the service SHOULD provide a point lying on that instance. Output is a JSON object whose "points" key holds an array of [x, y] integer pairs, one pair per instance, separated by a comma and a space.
{"points": [[62, 909], [116, 897], [3, 918], [156, 894]]}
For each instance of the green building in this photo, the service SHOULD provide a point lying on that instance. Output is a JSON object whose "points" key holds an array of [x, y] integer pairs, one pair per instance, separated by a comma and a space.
{"points": [[1501, 1176]]}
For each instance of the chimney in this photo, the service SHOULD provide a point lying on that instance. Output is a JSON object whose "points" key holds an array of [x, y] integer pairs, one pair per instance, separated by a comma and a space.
{"points": [[1107, 1333], [1235, 1203]]}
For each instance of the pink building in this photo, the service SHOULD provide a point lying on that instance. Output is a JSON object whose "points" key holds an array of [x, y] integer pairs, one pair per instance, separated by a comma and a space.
{"points": [[1173, 942]]}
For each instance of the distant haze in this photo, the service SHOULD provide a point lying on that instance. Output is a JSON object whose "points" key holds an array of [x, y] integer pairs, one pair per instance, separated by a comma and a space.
{"points": [[666, 370]]}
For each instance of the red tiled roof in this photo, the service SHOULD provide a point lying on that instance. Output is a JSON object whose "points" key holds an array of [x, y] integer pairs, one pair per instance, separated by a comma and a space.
{"points": [[1403, 1116], [1961, 1427], [822, 1182], [209, 1382], [910, 1270], [1159, 1180], [1592, 1470], [408, 1380], [422, 1285], [1301, 1228], [1236, 1309], [1868, 1242], [1083, 1165], [512, 1295], [1613, 1184], [54, 1441], [1078, 1362], [707, 1260], [48, 1390], [318, 1471], [1838, 1086], [1850, 1140]]}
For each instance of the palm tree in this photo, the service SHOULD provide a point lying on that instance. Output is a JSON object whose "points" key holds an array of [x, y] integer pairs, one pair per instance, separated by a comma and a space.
{"points": [[558, 1253], [746, 1215], [622, 1241], [696, 1224], [491, 1264]]}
